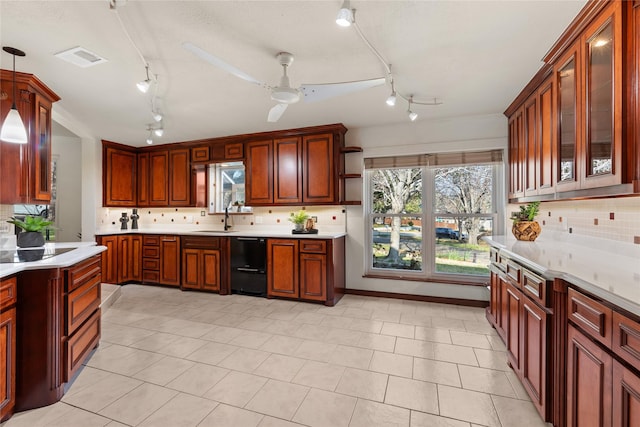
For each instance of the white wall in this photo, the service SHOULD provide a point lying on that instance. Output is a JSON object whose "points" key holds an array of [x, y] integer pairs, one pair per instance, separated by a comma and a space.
{"points": [[67, 151]]}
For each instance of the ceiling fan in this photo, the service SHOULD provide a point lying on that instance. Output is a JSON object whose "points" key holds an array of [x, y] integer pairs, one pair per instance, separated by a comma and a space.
{"points": [[283, 93]]}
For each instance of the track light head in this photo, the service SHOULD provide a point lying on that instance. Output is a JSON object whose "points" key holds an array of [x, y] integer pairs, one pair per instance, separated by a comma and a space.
{"points": [[413, 116], [144, 85], [391, 100], [345, 15], [149, 140], [158, 132], [157, 116]]}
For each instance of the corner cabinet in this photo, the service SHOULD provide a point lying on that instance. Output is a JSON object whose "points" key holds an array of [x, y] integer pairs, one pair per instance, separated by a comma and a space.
{"points": [[26, 169]]}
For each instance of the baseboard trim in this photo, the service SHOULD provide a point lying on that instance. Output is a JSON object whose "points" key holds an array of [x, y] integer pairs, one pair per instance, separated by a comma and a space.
{"points": [[411, 297]]}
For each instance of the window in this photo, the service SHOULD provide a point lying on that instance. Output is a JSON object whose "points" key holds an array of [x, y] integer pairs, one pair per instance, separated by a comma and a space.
{"points": [[426, 215], [226, 188]]}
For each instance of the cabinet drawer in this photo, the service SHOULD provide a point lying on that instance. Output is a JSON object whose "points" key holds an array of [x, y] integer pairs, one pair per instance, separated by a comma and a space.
{"points": [[83, 272], [151, 251], [8, 292], [80, 344], [513, 271], [151, 264], [593, 317], [81, 303], [233, 150], [200, 154], [151, 240], [534, 286], [189, 242], [149, 276], [626, 339], [493, 255], [313, 246]]}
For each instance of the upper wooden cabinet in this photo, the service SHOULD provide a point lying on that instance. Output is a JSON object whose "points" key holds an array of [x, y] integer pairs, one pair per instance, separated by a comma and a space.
{"points": [[119, 184], [26, 169], [573, 130], [259, 173]]}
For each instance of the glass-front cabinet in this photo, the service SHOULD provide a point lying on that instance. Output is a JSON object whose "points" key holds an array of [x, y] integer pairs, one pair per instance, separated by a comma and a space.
{"points": [[567, 77], [42, 151]]}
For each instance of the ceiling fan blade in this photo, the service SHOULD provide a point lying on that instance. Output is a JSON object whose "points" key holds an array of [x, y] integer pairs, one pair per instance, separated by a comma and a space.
{"points": [[214, 60], [320, 92], [276, 112]]}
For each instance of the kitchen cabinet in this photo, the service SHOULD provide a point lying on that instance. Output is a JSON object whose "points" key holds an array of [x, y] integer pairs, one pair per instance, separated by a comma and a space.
{"points": [[119, 178], [8, 298], [150, 258], [204, 264], [142, 182], [179, 177], [626, 396], [109, 258], [158, 178], [319, 175], [26, 168], [306, 269], [161, 259], [259, 173], [516, 155], [122, 261], [287, 171]]}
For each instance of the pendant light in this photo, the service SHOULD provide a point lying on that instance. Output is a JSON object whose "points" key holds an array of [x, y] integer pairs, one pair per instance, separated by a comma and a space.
{"points": [[144, 85], [13, 129], [345, 15]]}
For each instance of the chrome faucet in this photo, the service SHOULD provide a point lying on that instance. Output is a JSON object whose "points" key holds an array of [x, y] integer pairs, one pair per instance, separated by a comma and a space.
{"points": [[226, 219]]}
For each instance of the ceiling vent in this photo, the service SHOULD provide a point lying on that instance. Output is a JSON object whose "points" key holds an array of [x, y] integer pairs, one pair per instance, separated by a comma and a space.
{"points": [[81, 57]]}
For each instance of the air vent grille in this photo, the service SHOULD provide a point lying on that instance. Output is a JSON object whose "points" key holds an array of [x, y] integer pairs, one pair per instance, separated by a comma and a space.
{"points": [[81, 57]]}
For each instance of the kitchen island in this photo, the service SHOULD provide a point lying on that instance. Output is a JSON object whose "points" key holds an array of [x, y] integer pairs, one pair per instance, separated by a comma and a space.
{"points": [[50, 320], [568, 310]]}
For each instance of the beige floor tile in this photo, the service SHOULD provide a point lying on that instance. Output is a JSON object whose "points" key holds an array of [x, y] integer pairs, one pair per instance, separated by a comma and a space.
{"points": [[315, 350], [283, 315], [229, 319], [358, 313], [123, 335], [244, 359], [250, 339], [374, 414], [186, 328], [386, 316], [122, 317], [486, 381], [278, 399], [210, 315], [255, 323], [362, 325], [420, 419], [417, 348], [445, 323], [280, 367], [454, 354], [282, 345], [212, 353], [138, 404], [343, 336], [169, 344], [183, 410], [311, 318], [463, 313], [311, 332], [433, 334], [228, 416], [39, 417], [393, 364], [514, 412], [325, 409], [123, 360], [236, 308], [364, 384], [480, 327], [398, 330], [198, 379], [164, 370], [87, 376], [77, 417], [416, 319], [104, 392], [377, 342], [517, 385], [467, 405], [492, 359], [412, 394], [320, 375], [116, 424], [283, 327], [470, 339], [354, 357], [436, 371], [496, 343], [222, 334], [237, 388], [337, 322], [268, 421]]}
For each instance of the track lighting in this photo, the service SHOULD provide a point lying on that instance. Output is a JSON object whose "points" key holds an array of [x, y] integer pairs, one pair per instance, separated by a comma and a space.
{"points": [[157, 116], [13, 129], [150, 137], [412, 116], [144, 85], [345, 15], [391, 100], [159, 131]]}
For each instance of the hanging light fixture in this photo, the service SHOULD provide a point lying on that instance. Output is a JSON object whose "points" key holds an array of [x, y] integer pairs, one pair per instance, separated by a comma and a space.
{"points": [[13, 129], [157, 116], [391, 100], [159, 131], [144, 85], [412, 116], [345, 15], [149, 139]]}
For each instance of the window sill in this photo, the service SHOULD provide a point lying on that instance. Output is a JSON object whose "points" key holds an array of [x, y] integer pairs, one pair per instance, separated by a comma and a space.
{"points": [[484, 281]]}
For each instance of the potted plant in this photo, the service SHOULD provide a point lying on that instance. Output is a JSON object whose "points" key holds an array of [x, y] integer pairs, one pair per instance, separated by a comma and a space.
{"points": [[32, 227], [525, 227], [299, 219]]}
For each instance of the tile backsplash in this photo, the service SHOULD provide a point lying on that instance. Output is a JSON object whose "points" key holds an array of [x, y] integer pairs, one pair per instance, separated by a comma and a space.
{"points": [[615, 218], [329, 218]]}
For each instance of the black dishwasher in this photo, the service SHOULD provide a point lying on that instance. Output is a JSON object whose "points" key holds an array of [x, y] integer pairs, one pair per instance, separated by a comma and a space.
{"points": [[249, 265]]}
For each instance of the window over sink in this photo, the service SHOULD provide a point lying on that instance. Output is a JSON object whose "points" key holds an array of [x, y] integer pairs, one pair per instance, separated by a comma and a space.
{"points": [[226, 187]]}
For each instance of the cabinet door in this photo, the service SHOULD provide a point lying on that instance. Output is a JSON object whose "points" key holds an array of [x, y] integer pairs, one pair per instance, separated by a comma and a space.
{"points": [[530, 146], [534, 354], [504, 309], [286, 171], [603, 49], [626, 397], [124, 252], [589, 382], [143, 179], [14, 158], [546, 158], [210, 270], [109, 259], [180, 178], [119, 177], [282, 268], [170, 260], [191, 260], [318, 171], [41, 158], [135, 260], [7, 361], [516, 155], [512, 327], [313, 277], [158, 178], [259, 173]]}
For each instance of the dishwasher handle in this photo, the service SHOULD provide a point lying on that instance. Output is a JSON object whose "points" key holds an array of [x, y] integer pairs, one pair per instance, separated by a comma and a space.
{"points": [[250, 270]]}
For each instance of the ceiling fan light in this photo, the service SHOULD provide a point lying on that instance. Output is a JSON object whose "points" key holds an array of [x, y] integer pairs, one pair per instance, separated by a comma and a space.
{"points": [[285, 95], [413, 116], [391, 100], [13, 129], [345, 15], [158, 132]]}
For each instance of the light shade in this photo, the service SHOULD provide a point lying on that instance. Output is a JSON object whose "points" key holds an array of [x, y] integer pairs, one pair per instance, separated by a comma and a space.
{"points": [[158, 132], [413, 116], [391, 100], [149, 140], [156, 116], [345, 15], [13, 129], [144, 85]]}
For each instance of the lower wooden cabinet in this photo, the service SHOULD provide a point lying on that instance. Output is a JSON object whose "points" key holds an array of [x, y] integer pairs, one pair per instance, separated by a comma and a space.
{"points": [[282, 268], [626, 396], [170, 260], [122, 261], [204, 263], [8, 298]]}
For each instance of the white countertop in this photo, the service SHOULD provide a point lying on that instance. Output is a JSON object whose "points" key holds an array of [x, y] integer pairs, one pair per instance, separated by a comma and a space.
{"points": [[82, 251], [606, 268], [219, 233]]}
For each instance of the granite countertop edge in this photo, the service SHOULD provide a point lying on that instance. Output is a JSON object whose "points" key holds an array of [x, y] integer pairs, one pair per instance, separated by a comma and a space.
{"points": [[220, 233]]}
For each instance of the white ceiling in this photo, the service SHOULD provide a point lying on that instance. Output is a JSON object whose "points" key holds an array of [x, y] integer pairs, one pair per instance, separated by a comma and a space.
{"points": [[475, 56]]}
